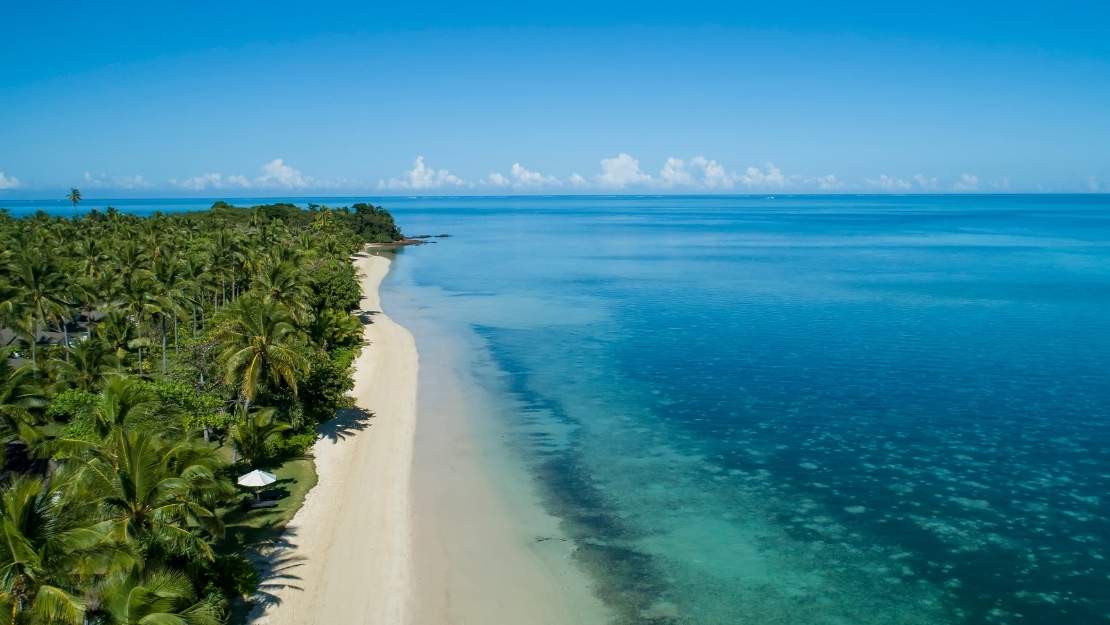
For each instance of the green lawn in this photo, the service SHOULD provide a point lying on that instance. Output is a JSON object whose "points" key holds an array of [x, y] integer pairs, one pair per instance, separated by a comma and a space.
{"points": [[247, 527], [247, 530]]}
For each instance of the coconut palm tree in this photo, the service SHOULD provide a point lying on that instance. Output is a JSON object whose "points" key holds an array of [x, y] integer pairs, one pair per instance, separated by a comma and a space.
{"points": [[252, 435], [117, 331], [153, 493], [74, 196], [284, 283], [122, 401], [260, 346], [155, 598], [89, 361], [49, 549], [172, 291], [20, 398], [42, 291], [140, 302]]}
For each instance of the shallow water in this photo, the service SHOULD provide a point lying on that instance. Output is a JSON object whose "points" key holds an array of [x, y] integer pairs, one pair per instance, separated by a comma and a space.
{"points": [[839, 410], [800, 410]]}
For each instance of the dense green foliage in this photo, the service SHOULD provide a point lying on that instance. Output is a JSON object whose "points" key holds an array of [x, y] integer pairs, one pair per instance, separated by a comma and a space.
{"points": [[174, 352]]}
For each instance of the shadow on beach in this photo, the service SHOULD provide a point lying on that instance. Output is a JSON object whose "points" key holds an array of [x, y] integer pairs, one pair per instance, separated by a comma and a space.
{"points": [[348, 422]]}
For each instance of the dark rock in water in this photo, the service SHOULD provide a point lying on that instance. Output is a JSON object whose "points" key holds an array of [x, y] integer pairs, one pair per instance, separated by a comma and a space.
{"points": [[443, 236]]}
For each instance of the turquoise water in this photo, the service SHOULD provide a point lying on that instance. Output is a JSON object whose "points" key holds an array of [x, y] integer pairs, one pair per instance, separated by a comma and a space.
{"points": [[799, 410]]}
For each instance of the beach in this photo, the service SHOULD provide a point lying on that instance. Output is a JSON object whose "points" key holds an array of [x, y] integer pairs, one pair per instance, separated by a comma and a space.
{"points": [[416, 518], [345, 556]]}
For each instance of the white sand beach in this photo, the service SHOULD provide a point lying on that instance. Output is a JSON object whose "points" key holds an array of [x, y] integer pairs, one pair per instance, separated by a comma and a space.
{"points": [[347, 558], [413, 519]]}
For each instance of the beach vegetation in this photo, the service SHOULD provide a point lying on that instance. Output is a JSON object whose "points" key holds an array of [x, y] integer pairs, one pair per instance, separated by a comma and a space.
{"points": [[147, 362]]}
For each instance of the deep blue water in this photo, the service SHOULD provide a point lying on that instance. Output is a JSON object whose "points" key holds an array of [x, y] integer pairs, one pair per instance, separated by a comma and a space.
{"points": [[835, 410]]}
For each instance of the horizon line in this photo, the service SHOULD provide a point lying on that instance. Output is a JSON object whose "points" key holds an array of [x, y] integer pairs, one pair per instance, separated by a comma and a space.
{"points": [[216, 198]]}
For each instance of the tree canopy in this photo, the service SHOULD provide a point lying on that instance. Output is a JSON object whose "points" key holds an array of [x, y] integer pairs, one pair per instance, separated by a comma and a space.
{"points": [[146, 362]]}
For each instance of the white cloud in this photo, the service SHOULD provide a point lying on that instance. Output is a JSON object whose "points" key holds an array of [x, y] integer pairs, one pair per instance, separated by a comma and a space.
{"points": [[103, 181], [576, 180], [276, 173], [423, 177], [8, 182], [828, 183], [620, 171], [213, 180], [497, 180], [1003, 184], [674, 174], [769, 176], [967, 182], [527, 178], [888, 183], [714, 175], [925, 182], [521, 177]]}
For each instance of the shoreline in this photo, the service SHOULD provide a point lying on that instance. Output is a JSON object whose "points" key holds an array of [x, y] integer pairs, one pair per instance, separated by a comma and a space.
{"points": [[421, 516], [345, 557]]}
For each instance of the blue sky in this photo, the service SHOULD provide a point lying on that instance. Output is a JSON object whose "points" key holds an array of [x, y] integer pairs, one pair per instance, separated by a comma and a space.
{"points": [[149, 99]]}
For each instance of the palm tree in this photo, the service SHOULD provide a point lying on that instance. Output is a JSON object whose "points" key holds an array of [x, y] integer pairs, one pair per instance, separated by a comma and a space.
{"points": [[252, 435], [122, 401], [171, 284], [284, 283], [155, 598], [74, 196], [20, 398], [155, 493], [335, 327], [140, 302], [260, 346], [48, 550], [116, 330], [90, 360], [42, 290]]}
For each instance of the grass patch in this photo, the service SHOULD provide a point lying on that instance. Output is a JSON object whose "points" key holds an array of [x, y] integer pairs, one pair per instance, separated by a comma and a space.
{"points": [[246, 527]]}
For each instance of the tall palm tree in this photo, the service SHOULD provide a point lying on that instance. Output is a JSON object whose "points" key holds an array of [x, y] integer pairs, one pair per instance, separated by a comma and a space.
{"points": [[20, 398], [42, 290], [74, 196], [117, 331], [259, 346], [90, 360], [140, 302], [172, 290]]}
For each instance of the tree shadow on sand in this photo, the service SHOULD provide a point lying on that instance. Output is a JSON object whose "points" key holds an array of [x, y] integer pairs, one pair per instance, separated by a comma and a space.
{"points": [[348, 422], [276, 564], [367, 316], [272, 546]]}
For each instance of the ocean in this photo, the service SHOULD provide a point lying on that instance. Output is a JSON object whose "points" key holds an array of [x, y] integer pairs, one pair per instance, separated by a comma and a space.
{"points": [[796, 409]]}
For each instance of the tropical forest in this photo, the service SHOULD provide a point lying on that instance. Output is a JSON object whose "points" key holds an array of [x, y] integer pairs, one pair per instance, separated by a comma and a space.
{"points": [[146, 364]]}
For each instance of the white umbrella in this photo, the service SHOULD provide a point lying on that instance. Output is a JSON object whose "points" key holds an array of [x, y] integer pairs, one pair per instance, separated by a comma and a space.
{"points": [[257, 479]]}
